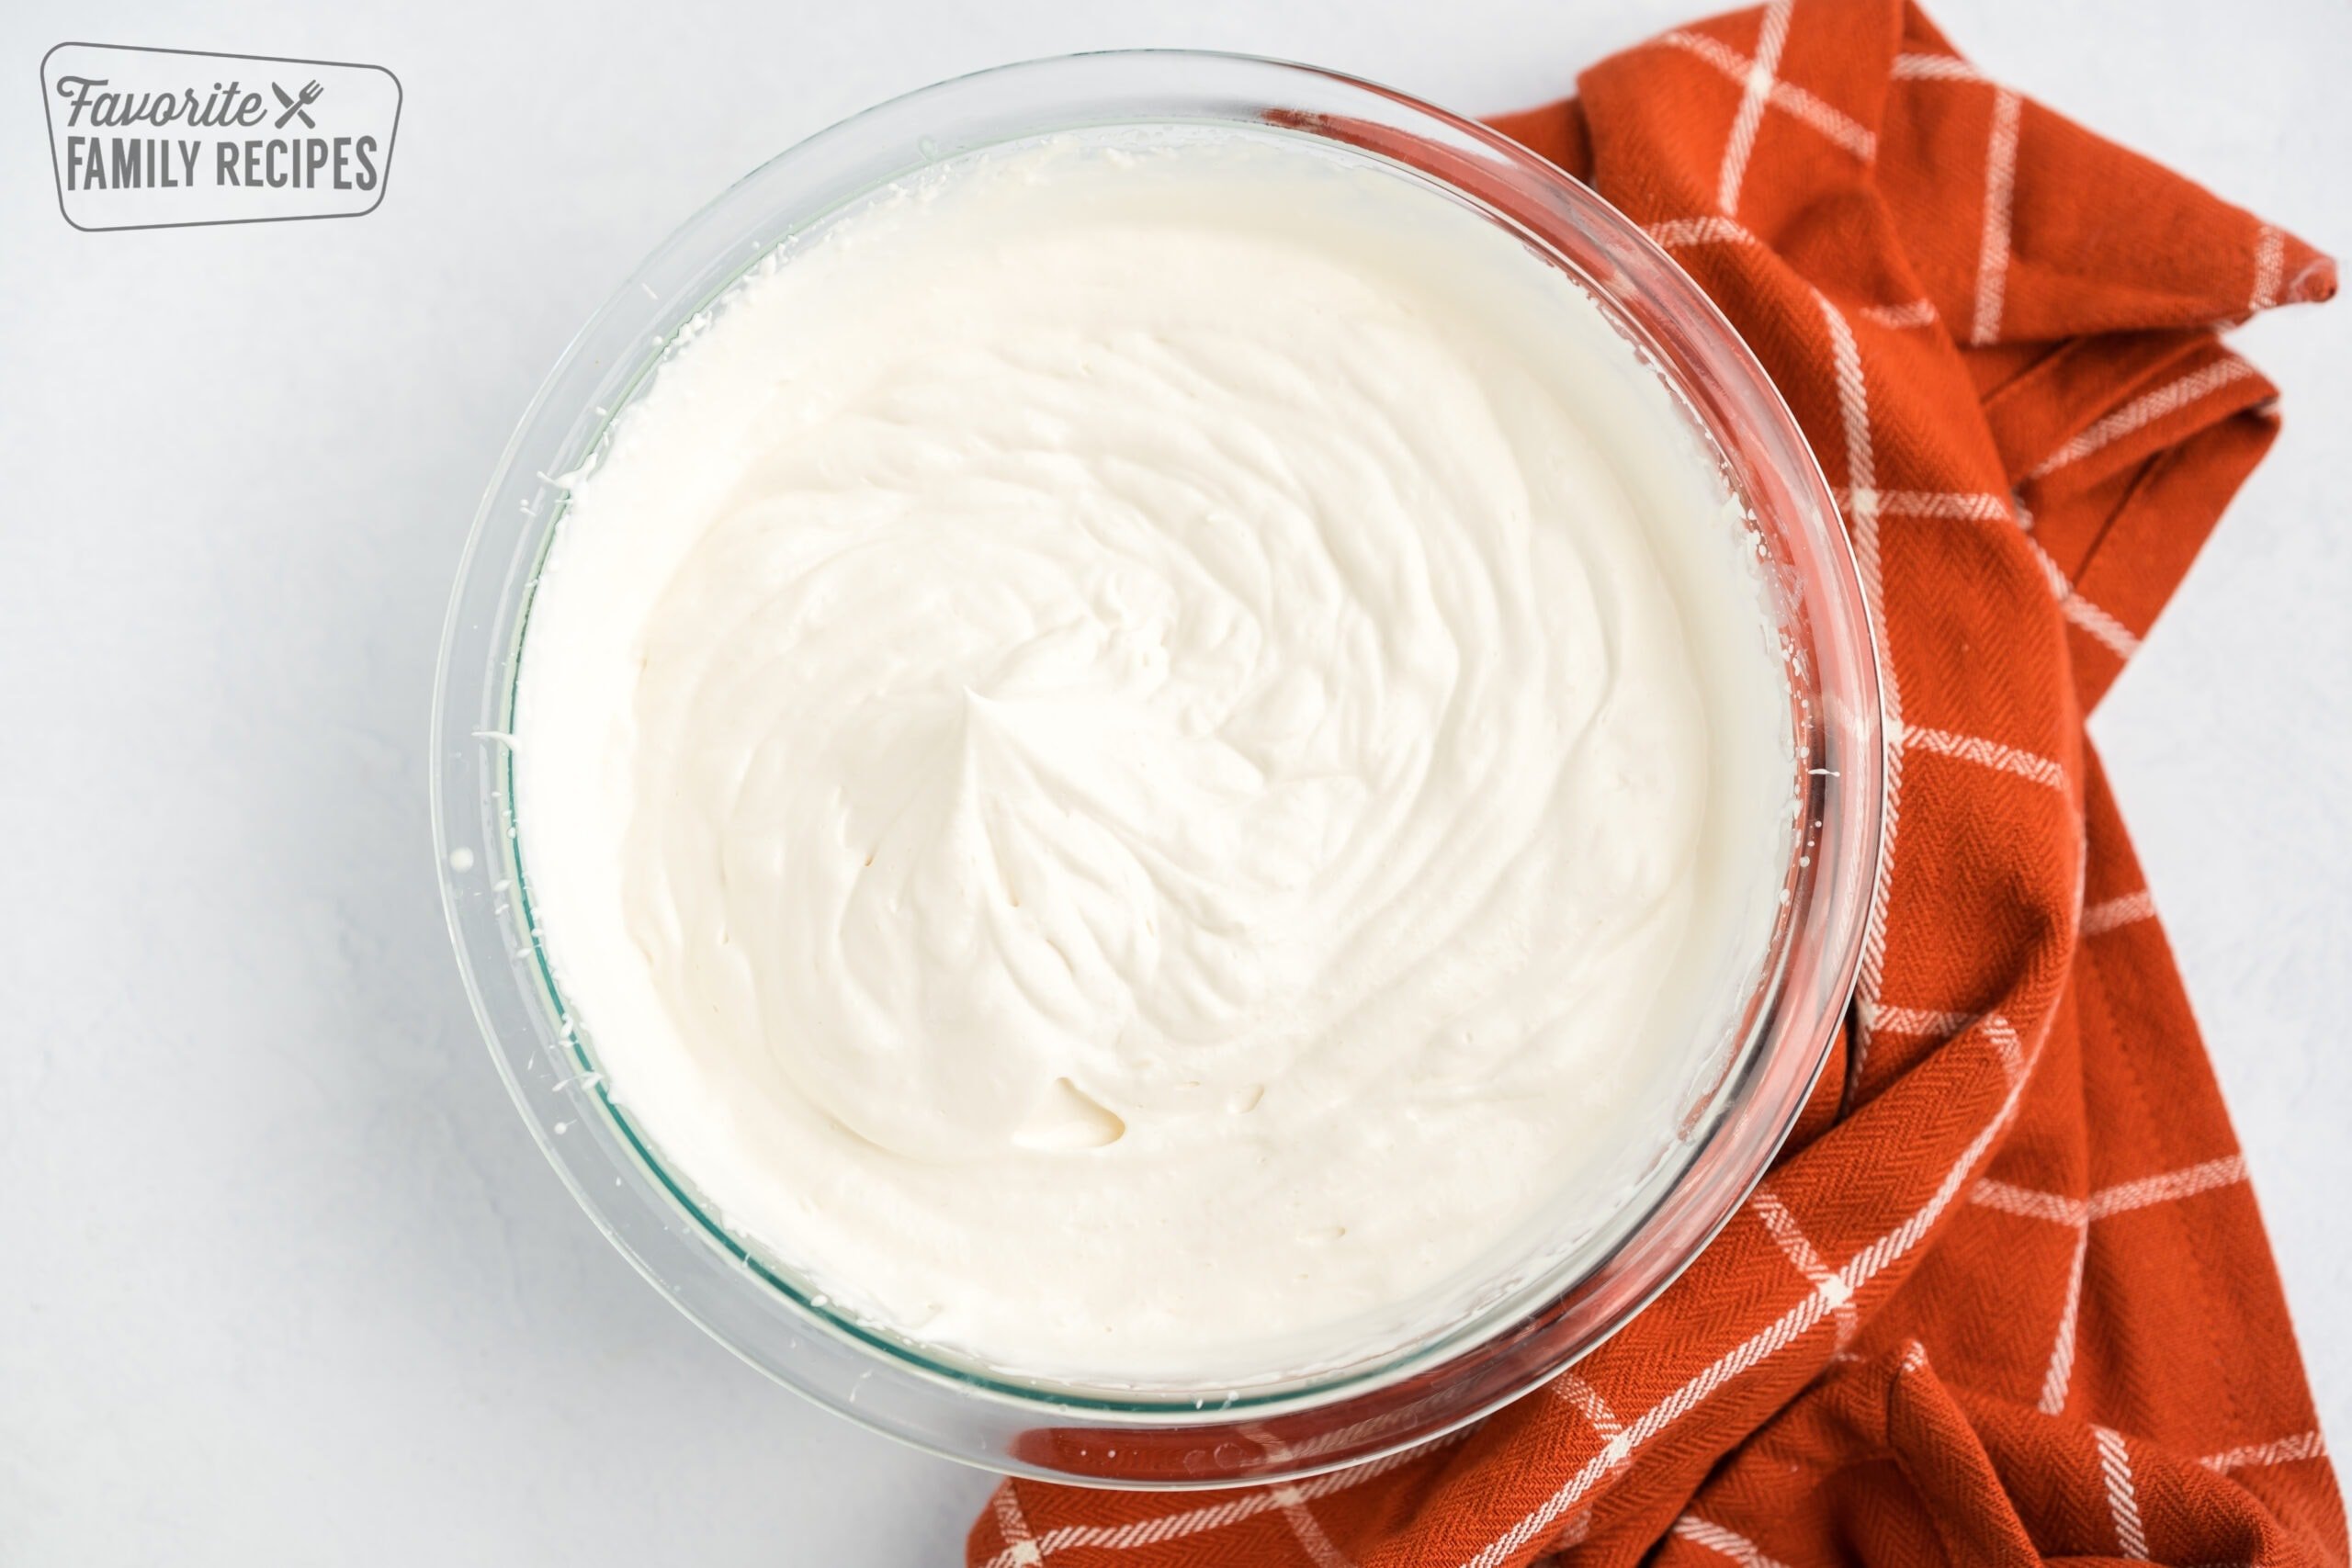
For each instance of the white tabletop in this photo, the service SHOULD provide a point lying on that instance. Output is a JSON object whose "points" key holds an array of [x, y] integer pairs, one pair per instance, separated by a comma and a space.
{"points": [[285, 1281]]}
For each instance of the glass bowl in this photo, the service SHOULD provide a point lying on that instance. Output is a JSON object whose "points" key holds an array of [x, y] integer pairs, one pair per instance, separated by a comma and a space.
{"points": [[1734, 1124]]}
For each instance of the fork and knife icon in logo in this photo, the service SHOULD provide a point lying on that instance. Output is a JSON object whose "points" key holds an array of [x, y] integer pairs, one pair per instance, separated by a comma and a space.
{"points": [[298, 106]]}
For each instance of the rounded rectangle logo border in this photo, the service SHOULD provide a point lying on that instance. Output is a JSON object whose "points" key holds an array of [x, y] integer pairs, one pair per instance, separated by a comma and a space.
{"points": [[49, 120]]}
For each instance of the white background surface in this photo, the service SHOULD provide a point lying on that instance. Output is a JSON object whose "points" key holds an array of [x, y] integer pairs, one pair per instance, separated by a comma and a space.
{"points": [[284, 1280]]}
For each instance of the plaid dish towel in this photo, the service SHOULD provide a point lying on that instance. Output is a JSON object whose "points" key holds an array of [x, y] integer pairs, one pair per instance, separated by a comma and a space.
{"points": [[2005, 1296]]}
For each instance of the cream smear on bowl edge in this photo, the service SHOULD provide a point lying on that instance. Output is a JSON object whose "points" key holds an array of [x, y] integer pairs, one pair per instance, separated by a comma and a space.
{"points": [[1155, 761]]}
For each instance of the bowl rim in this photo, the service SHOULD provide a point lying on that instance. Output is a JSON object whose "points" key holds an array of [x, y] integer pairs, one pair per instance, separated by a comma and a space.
{"points": [[1425, 1391]]}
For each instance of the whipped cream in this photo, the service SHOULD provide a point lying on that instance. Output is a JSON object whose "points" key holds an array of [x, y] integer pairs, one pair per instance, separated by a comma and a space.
{"points": [[1156, 760]]}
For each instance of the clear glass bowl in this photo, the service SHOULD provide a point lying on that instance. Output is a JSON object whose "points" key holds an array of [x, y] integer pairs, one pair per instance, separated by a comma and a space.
{"points": [[1208, 1436]]}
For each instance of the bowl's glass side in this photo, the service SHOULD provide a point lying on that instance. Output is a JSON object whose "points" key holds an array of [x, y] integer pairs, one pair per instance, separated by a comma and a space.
{"points": [[1210, 1438]]}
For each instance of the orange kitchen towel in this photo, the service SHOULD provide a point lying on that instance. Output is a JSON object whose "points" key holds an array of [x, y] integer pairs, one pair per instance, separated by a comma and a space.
{"points": [[2005, 1296]]}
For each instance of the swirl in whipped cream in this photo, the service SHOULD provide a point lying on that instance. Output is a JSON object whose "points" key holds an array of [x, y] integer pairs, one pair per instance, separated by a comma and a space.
{"points": [[1155, 762]]}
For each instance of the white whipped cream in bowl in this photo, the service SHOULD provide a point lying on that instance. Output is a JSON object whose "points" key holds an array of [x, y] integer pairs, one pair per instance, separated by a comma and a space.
{"points": [[1159, 770]]}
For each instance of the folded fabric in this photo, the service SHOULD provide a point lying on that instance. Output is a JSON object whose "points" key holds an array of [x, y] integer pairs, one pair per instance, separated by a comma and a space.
{"points": [[2005, 1296]]}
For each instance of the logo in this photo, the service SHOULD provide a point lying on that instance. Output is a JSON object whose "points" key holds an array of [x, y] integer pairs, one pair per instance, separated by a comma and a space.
{"points": [[173, 138]]}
